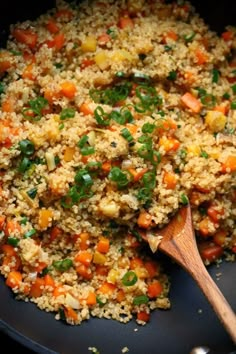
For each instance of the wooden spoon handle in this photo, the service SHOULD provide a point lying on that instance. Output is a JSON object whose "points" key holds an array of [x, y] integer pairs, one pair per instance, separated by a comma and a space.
{"points": [[216, 299]]}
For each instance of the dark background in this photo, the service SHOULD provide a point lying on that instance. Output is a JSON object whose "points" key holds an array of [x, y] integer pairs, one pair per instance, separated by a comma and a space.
{"points": [[186, 298]]}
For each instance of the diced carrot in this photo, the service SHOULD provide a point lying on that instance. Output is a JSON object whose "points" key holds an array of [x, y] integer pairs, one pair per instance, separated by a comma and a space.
{"points": [[5, 64], [168, 124], [101, 270], [229, 164], [55, 232], [191, 102], [8, 250], [8, 105], [68, 89], [65, 13], [28, 72], [152, 268], [84, 271], [106, 288], [133, 242], [45, 218], [125, 22], [84, 241], [25, 36], [13, 262], [37, 287], [40, 267], [106, 166], [221, 108], [12, 227], [86, 62], [85, 109], [189, 76], [214, 214], [59, 290], [233, 196], [136, 262], [103, 245], [227, 36], [49, 281], [234, 249], [103, 39], [52, 26], [201, 57], [169, 180], [210, 251], [169, 144], [50, 95], [144, 220], [84, 257], [137, 175], [70, 313], [2, 222], [171, 35], [14, 279], [120, 295], [91, 299], [59, 41], [143, 316], [204, 227], [154, 289], [132, 128], [220, 237]]}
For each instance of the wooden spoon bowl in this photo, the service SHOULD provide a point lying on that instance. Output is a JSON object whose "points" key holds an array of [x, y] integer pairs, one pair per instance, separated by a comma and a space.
{"points": [[178, 241]]}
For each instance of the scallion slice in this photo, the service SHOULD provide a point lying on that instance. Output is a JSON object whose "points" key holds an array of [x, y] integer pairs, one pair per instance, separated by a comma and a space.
{"points": [[130, 278]]}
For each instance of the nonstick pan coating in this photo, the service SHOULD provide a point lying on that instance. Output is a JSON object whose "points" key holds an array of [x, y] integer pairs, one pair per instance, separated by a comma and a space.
{"points": [[190, 322]]}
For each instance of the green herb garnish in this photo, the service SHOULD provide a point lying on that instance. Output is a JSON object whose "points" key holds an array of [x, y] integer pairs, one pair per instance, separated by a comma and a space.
{"points": [[130, 278]]}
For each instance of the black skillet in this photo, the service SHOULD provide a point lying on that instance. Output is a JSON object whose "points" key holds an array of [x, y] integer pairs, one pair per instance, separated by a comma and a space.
{"points": [[190, 322]]}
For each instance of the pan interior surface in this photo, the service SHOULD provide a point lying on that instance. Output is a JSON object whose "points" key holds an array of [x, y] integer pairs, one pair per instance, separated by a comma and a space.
{"points": [[189, 323]]}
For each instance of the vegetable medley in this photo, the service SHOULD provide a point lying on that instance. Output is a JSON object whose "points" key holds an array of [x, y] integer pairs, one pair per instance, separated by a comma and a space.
{"points": [[112, 117]]}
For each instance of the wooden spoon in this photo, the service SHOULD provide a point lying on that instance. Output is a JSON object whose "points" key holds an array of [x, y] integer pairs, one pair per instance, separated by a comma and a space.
{"points": [[178, 241]]}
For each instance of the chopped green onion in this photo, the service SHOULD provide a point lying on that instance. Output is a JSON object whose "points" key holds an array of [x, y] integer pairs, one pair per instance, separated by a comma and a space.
{"points": [[202, 210], [116, 175], [189, 37], [57, 160], [26, 147], [62, 315], [149, 99], [2, 89], [93, 165], [204, 154], [208, 100], [25, 164], [32, 193], [130, 278], [142, 56], [226, 96], [61, 126], [64, 265], [121, 117], [215, 75], [201, 91], [101, 117], [139, 300], [58, 65], [233, 105], [141, 78], [83, 141], [184, 199], [112, 33], [35, 106], [24, 220], [120, 74], [183, 153], [67, 113], [30, 233], [87, 150], [13, 241], [167, 48], [148, 128], [137, 235], [234, 88], [127, 135], [15, 52], [100, 302], [112, 95], [83, 178], [172, 75]]}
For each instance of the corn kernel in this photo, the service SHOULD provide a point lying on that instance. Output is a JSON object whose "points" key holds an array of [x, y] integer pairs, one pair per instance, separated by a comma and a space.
{"points": [[215, 120], [112, 276], [89, 44], [101, 60], [121, 55], [194, 149], [99, 258]]}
